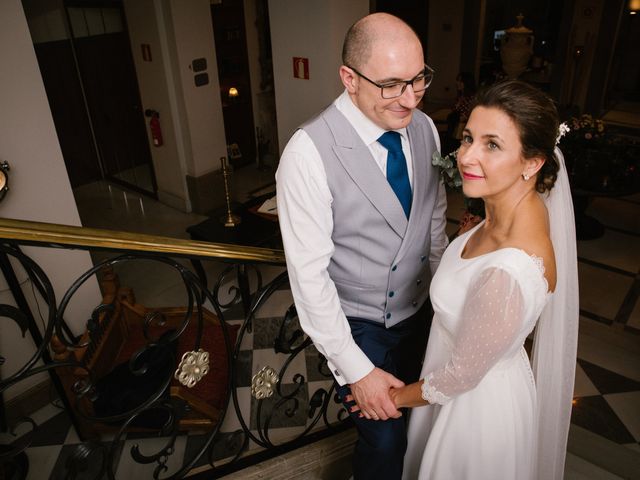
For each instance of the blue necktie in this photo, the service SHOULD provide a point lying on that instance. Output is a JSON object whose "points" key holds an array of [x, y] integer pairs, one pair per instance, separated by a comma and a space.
{"points": [[397, 174]]}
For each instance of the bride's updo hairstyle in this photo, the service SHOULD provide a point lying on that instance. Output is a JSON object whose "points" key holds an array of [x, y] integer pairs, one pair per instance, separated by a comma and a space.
{"points": [[536, 117]]}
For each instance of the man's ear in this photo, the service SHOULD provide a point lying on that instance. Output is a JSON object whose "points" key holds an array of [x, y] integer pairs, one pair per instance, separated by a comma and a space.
{"points": [[349, 79]]}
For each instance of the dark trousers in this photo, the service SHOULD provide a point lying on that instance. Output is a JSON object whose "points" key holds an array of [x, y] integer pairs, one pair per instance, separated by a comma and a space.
{"points": [[399, 350]]}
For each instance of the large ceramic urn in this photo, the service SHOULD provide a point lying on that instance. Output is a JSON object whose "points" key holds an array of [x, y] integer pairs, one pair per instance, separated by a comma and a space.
{"points": [[516, 49]]}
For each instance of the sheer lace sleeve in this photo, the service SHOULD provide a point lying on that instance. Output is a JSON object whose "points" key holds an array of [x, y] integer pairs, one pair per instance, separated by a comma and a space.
{"points": [[492, 319]]}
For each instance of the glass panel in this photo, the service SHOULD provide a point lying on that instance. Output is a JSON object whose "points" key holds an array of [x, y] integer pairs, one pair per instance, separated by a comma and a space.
{"points": [[112, 20], [93, 18], [78, 23]]}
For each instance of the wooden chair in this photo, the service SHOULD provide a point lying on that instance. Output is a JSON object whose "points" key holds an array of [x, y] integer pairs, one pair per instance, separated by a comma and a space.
{"points": [[117, 337]]}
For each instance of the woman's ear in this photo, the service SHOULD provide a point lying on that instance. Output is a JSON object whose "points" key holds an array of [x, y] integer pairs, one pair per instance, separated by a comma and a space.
{"points": [[533, 165], [349, 78]]}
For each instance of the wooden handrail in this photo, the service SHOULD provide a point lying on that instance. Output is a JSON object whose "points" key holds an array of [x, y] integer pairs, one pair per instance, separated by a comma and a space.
{"points": [[55, 235]]}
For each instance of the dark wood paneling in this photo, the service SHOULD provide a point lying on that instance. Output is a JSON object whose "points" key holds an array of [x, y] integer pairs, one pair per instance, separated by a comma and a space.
{"points": [[68, 110], [233, 71], [114, 103]]}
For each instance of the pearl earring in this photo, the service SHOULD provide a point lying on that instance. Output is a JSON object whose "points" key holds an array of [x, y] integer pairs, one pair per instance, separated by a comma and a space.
{"points": [[525, 176]]}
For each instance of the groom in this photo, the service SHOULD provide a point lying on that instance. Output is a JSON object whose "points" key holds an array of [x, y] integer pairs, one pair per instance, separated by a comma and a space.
{"points": [[362, 216]]}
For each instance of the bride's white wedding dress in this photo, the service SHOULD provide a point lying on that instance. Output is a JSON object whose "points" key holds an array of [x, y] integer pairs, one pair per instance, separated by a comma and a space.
{"points": [[482, 421]]}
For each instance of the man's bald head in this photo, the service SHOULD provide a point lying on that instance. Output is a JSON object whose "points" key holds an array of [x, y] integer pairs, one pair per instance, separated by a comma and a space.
{"points": [[377, 27]]}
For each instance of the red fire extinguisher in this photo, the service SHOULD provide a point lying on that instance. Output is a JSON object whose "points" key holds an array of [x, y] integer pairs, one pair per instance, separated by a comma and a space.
{"points": [[154, 126]]}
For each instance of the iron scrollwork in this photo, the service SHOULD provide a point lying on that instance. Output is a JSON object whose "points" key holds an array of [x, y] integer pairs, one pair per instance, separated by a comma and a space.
{"points": [[81, 378]]}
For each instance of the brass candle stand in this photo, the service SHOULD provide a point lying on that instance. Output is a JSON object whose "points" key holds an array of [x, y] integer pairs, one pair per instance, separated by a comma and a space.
{"points": [[230, 219]]}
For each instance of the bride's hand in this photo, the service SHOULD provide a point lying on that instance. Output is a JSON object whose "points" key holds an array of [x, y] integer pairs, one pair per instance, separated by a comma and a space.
{"points": [[408, 396], [393, 393]]}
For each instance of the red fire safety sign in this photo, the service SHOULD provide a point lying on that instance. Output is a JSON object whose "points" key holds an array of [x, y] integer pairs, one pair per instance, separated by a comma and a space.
{"points": [[301, 68]]}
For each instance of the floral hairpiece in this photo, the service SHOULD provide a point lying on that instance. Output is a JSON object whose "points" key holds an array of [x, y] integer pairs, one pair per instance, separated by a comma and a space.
{"points": [[562, 130]]}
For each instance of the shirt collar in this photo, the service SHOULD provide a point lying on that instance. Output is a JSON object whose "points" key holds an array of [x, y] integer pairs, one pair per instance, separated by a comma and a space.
{"points": [[368, 131]]}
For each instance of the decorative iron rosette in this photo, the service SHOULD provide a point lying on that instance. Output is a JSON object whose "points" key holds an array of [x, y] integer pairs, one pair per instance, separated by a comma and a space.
{"points": [[193, 366], [263, 383]]}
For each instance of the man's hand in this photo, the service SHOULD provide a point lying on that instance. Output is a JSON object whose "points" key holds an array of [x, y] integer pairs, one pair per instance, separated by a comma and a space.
{"points": [[371, 393]]}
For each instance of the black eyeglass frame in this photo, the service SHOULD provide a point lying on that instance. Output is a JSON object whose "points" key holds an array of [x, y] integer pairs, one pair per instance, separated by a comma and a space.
{"points": [[382, 86]]}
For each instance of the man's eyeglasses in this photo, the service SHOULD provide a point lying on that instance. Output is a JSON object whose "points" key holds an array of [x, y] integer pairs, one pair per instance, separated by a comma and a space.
{"points": [[419, 83]]}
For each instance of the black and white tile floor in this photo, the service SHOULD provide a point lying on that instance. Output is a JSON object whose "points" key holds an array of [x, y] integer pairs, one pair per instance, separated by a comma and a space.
{"points": [[55, 440], [607, 390]]}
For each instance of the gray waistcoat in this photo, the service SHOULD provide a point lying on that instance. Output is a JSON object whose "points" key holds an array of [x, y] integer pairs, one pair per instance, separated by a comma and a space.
{"points": [[381, 261]]}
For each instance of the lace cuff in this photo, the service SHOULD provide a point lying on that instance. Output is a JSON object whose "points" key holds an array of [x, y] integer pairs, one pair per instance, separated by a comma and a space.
{"points": [[430, 394]]}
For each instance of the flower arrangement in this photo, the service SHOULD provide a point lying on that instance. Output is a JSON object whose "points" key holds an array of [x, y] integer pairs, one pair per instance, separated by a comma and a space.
{"points": [[586, 127], [598, 160], [582, 133]]}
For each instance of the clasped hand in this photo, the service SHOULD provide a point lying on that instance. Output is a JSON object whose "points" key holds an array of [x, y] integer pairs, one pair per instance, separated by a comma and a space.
{"points": [[372, 396]]}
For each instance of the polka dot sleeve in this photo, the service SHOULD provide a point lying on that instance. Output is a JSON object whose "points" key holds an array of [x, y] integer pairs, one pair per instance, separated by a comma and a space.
{"points": [[491, 324]]}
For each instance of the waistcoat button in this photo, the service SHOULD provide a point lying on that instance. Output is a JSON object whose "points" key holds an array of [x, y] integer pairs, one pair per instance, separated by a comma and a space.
{"points": [[391, 294], [388, 315]]}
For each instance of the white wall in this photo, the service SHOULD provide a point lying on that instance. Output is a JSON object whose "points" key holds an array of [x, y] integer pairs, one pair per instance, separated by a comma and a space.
{"points": [[158, 91], [156, 80], [191, 117], [313, 29], [39, 185], [443, 48], [178, 32], [193, 35]]}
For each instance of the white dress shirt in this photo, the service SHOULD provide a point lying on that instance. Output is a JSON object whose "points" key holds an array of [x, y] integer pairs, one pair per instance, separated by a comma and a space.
{"points": [[306, 223]]}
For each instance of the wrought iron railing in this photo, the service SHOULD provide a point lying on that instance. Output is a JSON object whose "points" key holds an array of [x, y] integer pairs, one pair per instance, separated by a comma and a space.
{"points": [[88, 370]]}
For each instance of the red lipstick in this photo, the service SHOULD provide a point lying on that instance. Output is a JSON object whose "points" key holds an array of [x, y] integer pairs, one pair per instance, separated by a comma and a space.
{"points": [[471, 176]]}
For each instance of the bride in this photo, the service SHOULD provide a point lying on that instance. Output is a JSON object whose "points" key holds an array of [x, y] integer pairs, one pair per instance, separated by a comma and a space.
{"points": [[481, 411]]}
